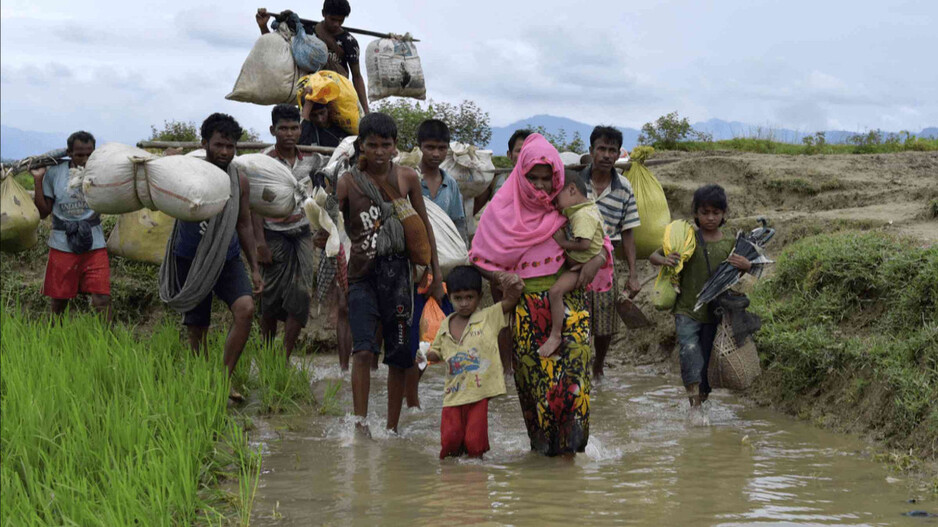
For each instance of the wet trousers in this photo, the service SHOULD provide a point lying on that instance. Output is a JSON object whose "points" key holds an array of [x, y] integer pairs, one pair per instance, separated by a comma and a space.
{"points": [[696, 341], [464, 429]]}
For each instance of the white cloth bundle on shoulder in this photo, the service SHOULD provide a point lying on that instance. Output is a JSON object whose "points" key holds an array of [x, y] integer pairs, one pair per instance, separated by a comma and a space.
{"points": [[119, 179]]}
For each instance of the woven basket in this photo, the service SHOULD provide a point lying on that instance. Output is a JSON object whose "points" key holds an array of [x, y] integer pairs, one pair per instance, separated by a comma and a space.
{"points": [[732, 367]]}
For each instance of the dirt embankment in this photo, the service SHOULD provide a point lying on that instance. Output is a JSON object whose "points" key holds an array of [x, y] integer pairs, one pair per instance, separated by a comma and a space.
{"points": [[800, 196]]}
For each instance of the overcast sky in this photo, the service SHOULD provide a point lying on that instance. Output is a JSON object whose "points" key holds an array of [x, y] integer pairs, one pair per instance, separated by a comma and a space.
{"points": [[116, 67]]}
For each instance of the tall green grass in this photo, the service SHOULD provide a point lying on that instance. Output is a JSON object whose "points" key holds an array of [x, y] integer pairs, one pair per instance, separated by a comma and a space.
{"points": [[858, 313], [101, 429]]}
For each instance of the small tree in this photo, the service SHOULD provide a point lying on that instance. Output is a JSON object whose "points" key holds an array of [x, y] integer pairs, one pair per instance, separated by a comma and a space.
{"points": [[408, 115], [467, 122], [188, 131], [667, 131], [559, 140]]}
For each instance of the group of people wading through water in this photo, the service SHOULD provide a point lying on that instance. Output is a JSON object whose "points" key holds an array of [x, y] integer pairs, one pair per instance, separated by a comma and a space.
{"points": [[545, 244]]}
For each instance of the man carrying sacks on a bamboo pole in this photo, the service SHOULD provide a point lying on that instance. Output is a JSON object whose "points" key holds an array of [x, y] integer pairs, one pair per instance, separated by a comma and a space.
{"points": [[78, 259], [343, 57], [203, 257]]}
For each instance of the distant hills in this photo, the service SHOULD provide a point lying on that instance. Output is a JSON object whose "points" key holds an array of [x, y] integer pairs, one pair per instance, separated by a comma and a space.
{"points": [[719, 128], [16, 143]]}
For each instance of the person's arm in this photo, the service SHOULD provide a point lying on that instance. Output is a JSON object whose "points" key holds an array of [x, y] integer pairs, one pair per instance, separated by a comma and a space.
{"points": [[578, 244], [245, 230], [740, 262], [43, 202], [589, 270], [263, 251], [658, 258], [341, 195], [262, 17], [479, 201], [415, 193], [513, 287], [632, 286], [457, 212], [359, 82]]}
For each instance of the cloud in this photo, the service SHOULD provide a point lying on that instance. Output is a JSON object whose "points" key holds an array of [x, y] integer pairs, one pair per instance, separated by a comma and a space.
{"points": [[216, 27]]}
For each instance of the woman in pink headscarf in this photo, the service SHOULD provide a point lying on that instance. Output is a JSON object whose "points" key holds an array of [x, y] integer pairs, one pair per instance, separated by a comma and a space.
{"points": [[515, 236]]}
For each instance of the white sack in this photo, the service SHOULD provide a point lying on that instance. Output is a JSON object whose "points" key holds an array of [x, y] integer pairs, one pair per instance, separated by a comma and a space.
{"points": [[393, 67], [470, 167], [450, 247], [570, 158], [118, 179], [269, 74], [275, 193]]}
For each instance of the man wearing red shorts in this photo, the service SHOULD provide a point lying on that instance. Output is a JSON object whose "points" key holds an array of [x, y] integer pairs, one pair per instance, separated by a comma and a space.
{"points": [[78, 261]]}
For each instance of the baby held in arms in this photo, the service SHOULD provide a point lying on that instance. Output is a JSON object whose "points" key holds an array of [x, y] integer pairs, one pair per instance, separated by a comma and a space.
{"points": [[585, 241]]}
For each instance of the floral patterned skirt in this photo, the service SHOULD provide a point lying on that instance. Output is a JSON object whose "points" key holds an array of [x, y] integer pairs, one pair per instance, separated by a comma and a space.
{"points": [[555, 392]]}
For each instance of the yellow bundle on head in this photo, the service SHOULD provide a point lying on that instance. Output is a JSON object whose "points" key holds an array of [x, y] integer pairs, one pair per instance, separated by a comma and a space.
{"points": [[336, 91], [679, 237], [652, 205]]}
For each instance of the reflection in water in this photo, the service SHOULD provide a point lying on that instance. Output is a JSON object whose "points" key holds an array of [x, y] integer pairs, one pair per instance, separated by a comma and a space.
{"points": [[644, 466]]}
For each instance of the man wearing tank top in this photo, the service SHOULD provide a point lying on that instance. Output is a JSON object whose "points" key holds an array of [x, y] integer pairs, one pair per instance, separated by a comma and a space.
{"points": [[380, 295]]}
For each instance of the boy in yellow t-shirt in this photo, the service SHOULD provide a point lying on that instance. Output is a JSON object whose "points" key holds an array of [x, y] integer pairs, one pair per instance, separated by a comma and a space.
{"points": [[468, 343], [586, 224]]}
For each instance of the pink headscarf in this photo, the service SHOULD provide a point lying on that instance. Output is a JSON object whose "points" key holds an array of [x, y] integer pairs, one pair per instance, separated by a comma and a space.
{"points": [[516, 231]]}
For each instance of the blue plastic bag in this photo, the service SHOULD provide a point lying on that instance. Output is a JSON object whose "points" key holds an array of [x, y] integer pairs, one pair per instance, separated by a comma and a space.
{"points": [[309, 53]]}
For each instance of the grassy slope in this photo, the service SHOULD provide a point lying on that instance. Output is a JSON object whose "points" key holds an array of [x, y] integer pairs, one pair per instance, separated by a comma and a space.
{"points": [[850, 336]]}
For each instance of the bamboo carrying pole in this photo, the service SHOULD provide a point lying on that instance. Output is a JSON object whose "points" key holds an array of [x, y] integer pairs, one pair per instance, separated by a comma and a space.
{"points": [[253, 145], [311, 24]]}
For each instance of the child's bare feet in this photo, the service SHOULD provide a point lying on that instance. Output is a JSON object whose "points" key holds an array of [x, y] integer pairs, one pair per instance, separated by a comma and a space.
{"points": [[550, 346]]}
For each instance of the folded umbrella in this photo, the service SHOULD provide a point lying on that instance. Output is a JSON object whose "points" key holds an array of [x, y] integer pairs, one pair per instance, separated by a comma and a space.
{"points": [[726, 276]]}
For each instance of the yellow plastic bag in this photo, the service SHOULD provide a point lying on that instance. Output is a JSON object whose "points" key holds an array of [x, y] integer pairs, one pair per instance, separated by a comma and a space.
{"points": [[679, 237], [141, 236], [19, 217], [652, 205], [336, 91]]}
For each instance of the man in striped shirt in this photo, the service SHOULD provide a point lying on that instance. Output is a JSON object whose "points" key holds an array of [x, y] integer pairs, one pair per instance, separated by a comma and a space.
{"points": [[616, 201]]}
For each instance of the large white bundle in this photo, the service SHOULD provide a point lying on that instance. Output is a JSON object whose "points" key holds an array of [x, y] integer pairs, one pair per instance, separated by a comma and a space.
{"points": [[393, 67], [570, 158], [275, 193], [450, 247], [470, 167], [118, 179], [269, 74]]}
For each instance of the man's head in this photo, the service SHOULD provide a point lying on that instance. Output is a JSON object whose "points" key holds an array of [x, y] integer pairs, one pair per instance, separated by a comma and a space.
{"points": [[377, 138], [709, 206], [319, 115], [334, 13], [433, 140], [574, 190], [464, 286], [605, 142], [285, 127], [514, 144], [220, 135], [80, 146]]}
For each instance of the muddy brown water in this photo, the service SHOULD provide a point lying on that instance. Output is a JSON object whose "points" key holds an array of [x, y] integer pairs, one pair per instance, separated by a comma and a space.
{"points": [[645, 465]]}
